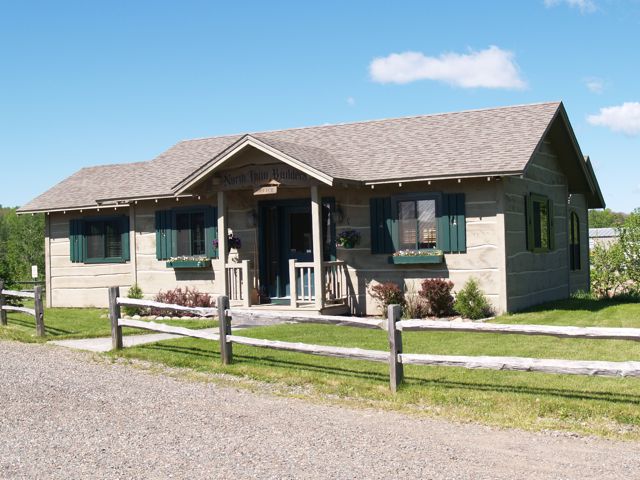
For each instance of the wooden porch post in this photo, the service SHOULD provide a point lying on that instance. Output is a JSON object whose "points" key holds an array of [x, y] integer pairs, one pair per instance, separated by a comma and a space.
{"points": [[316, 223], [222, 241]]}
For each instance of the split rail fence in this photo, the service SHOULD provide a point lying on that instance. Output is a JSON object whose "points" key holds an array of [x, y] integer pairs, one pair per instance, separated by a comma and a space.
{"points": [[37, 312], [395, 356]]}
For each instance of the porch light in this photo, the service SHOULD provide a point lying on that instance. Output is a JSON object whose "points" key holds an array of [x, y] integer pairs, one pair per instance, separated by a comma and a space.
{"points": [[339, 214]]}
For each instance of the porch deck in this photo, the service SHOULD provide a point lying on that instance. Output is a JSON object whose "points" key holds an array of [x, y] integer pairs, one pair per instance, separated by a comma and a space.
{"points": [[306, 308]]}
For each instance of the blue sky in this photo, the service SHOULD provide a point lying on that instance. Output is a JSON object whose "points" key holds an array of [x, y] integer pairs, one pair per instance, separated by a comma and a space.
{"points": [[88, 83]]}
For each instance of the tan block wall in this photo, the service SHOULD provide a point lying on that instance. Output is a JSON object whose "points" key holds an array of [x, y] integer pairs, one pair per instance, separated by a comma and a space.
{"points": [[579, 279], [534, 278], [483, 259], [79, 284]]}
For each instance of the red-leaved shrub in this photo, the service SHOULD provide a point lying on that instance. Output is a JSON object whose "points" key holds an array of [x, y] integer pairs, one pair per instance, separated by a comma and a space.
{"points": [[387, 293], [189, 297], [437, 293]]}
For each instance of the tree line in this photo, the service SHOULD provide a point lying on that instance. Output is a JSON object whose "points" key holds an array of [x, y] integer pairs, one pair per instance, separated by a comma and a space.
{"points": [[21, 245], [606, 218]]}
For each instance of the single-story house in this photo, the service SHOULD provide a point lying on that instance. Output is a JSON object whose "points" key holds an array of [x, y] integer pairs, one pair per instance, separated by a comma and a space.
{"points": [[603, 236], [498, 194]]}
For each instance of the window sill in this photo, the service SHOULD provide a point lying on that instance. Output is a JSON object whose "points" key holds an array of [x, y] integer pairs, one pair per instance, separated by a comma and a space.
{"points": [[188, 264], [416, 259], [105, 260]]}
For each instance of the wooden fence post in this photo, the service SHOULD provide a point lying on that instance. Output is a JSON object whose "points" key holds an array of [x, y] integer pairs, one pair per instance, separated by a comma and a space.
{"points": [[396, 370], [114, 315], [3, 313], [226, 351], [39, 308]]}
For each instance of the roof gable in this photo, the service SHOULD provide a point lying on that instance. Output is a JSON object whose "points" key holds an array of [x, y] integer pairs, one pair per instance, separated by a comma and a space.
{"points": [[298, 156], [577, 167]]}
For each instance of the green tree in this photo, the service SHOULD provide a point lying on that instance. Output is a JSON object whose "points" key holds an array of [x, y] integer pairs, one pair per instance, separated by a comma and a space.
{"points": [[606, 218], [21, 245], [608, 277], [630, 244]]}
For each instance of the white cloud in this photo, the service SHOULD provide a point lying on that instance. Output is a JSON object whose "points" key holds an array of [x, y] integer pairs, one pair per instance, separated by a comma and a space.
{"points": [[623, 118], [595, 85], [585, 6], [351, 101], [490, 68]]}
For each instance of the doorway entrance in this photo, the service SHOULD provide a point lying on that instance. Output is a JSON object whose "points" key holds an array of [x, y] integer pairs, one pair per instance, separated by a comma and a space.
{"points": [[286, 233]]}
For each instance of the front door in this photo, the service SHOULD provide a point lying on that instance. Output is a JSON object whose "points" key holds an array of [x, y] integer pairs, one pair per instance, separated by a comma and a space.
{"points": [[286, 233]]}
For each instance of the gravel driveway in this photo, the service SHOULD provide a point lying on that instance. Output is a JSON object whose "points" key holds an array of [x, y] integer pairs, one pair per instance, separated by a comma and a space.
{"points": [[67, 416]]}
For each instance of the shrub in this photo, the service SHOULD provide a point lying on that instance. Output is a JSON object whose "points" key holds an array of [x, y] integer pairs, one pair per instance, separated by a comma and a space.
{"points": [[415, 306], [582, 295], [437, 294], [608, 276], [134, 292], [387, 293], [189, 297], [471, 302], [630, 245]]}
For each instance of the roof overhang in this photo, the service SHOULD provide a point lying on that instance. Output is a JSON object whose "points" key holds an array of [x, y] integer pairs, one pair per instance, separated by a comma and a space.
{"points": [[487, 175], [243, 143]]}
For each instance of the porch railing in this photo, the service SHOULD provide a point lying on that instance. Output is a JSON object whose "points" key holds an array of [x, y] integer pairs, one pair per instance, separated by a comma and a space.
{"points": [[239, 282], [335, 282], [334, 277], [301, 282]]}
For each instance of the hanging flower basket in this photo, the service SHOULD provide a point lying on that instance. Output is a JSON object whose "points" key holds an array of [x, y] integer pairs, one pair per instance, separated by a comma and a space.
{"points": [[348, 239], [232, 242]]}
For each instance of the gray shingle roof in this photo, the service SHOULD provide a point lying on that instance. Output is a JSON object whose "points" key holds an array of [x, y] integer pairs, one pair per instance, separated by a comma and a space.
{"points": [[604, 232], [480, 142]]}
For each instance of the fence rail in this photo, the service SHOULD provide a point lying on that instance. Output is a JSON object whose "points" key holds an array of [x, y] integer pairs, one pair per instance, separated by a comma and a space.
{"points": [[37, 312], [300, 317], [395, 356], [602, 333], [134, 302]]}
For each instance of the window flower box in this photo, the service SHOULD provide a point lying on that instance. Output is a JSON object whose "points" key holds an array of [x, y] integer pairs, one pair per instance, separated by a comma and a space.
{"points": [[188, 263], [407, 257]]}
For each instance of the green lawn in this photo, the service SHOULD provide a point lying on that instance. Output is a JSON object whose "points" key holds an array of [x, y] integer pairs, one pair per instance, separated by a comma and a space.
{"points": [[66, 323], [534, 401]]}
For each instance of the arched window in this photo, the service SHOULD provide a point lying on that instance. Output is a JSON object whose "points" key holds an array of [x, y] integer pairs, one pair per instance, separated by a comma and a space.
{"points": [[574, 242]]}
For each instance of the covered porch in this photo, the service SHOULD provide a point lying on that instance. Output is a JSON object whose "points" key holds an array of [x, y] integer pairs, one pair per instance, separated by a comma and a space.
{"points": [[286, 227]]}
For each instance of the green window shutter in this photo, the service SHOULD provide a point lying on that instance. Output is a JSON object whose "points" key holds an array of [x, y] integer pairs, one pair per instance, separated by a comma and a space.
{"points": [[124, 233], [459, 223], [552, 223], [443, 240], [383, 226], [528, 214], [452, 228], [329, 228], [76, 240], [164, 234], [210, 231]]}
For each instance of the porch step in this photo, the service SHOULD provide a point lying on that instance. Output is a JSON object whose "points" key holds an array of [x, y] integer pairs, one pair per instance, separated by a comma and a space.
{"points": [[309, 309]]}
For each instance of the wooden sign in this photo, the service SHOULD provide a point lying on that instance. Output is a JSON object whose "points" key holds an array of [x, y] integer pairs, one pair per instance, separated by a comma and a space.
{"points": [[258, 176], [266, 190]]}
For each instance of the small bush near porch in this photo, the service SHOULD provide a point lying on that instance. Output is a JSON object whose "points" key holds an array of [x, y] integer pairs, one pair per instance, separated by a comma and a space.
{"points": [[588, 405]]}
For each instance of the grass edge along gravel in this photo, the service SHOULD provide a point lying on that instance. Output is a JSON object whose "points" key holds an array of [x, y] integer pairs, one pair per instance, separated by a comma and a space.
{"points": [[76, 323]]}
